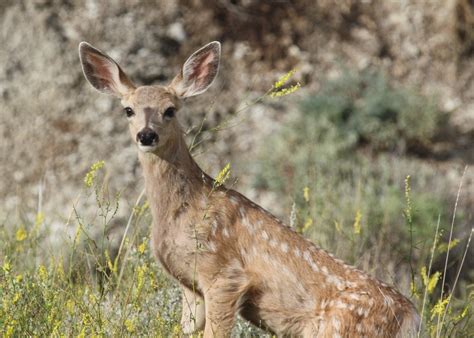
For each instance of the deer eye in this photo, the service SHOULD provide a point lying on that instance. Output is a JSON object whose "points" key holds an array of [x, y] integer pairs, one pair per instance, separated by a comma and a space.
{"points": [[169, 113], [129, 111]]}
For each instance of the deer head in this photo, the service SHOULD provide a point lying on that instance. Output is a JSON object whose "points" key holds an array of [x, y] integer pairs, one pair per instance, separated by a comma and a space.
{"points": [[151, 110]]}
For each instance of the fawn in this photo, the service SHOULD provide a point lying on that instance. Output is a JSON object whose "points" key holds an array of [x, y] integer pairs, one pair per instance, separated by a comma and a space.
{"points": [[227, 253]]}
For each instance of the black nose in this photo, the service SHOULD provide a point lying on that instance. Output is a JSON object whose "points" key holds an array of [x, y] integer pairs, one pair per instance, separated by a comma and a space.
{"points": [[146, 137]]}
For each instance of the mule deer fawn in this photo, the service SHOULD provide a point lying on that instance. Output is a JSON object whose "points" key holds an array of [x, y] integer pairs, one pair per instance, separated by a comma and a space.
{"points": [[228, 254]]}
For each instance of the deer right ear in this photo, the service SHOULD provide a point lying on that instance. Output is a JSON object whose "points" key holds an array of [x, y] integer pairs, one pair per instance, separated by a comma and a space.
{"points": [[102, 72], [199, 71]]}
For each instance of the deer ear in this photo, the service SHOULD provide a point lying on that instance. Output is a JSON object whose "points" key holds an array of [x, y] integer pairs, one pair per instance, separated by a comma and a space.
{"points": [[102, 72], [199, 71]]}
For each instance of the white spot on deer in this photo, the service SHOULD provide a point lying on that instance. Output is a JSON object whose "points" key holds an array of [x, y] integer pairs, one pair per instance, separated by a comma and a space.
{"points": [[249, 226], [324, 304], [359, 328], [354, 296], [341, 305], [265, 235], [314, 266], [371, 302], [212, 247], [388, 301], [363, 312], [307, 256], [351, 284], [284, 247], [340, 285], [351, 307], [336, 324], [225, 232], [325, 270], [297, 252], [213, 227], [273, 243], [242, 211], [234, 200], [331, 279]]}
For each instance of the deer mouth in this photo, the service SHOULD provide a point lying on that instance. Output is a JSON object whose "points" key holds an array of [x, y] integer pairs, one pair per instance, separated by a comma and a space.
{"points": [[148, 148]]}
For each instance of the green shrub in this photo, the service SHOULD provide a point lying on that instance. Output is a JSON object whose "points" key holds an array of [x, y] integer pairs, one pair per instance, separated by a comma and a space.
{"points": [[364, 108]]}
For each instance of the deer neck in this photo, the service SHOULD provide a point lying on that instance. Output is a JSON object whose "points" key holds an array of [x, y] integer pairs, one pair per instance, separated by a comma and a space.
{"points": [[172, 180]]}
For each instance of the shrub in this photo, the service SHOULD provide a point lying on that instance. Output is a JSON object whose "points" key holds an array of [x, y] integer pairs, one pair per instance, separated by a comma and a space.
{"points": [[364, 108]]}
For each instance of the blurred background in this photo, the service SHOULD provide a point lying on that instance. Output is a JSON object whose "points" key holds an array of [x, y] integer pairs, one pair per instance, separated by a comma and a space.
{"points": [[387, 91]]}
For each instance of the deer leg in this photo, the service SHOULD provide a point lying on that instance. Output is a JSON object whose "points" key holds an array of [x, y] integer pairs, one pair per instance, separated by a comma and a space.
{"points": [[193, 313], [220, 313]]}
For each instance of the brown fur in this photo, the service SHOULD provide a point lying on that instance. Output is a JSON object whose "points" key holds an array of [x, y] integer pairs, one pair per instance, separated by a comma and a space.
{"points": [[231, 256]]}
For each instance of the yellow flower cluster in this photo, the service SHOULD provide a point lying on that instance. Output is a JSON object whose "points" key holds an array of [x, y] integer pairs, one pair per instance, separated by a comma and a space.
{"points": [[429, 282], [357, 226], [90, 176], [223, 175], [278, 90]]}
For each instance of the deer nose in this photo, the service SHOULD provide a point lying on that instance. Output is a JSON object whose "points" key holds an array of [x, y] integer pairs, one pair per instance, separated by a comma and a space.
{"points": [[147, 137]]}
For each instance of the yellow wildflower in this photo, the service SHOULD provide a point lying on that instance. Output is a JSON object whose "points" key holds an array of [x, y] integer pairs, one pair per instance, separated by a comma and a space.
{"points": [[10, 330], [82, 334], [142, 247], [429, 282], [283, 79], [6, 266], [19, 278], [357, 226], [176, 330], [39, 219], [414, 289], [16, 298], [112, 267], [439, 307], [90, 176], [286, 91], [21, 234], [443, 247], [42, 273], [130, 325], [70, 305], [338, 226], [141, 271], [307, 224], [306, 194], [462, 314], [223, 175]]}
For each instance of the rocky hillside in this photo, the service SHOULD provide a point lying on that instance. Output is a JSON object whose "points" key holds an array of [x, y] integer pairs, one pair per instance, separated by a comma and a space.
{"points": [[53, 125]]}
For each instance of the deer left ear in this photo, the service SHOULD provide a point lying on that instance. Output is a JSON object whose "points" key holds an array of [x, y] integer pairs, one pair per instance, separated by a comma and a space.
{"points": [[199, 71]]}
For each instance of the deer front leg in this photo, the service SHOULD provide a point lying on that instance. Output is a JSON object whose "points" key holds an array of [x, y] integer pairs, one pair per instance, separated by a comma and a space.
{"points": [[222, 299], [193, 313], [220, 314]]}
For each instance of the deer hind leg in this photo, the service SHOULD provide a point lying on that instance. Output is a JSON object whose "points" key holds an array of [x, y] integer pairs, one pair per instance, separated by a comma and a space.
{"points": [[193, 313]]}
